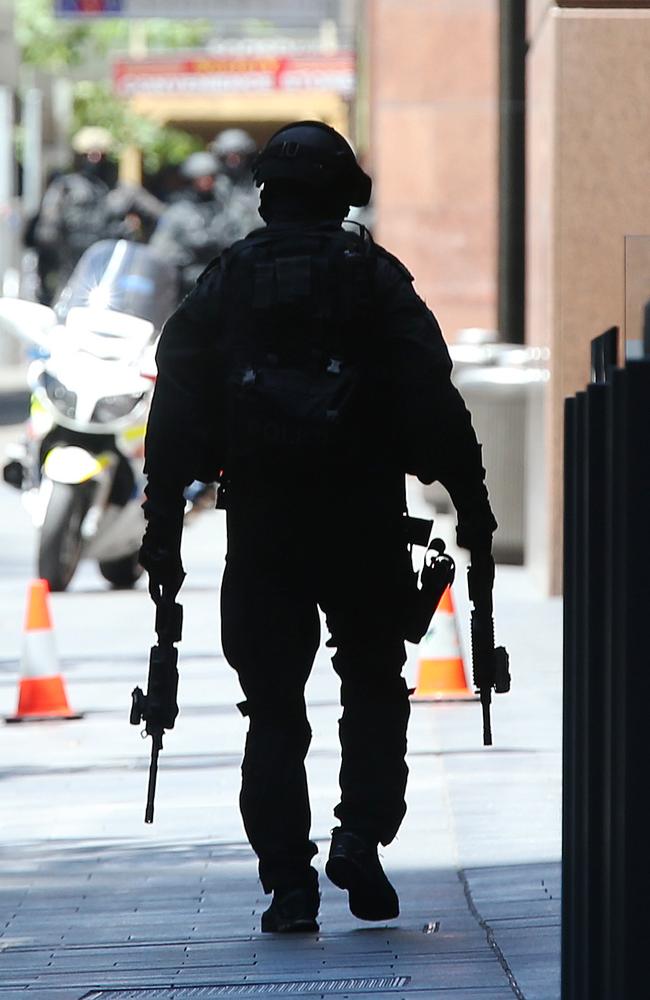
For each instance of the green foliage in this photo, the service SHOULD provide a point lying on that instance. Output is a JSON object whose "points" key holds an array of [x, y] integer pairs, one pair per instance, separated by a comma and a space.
{"points": [[46, 42], [157, 33], [55, 45], [95, 104]]}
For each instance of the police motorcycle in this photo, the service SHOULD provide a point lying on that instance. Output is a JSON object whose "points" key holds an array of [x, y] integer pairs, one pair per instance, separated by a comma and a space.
{"points": [[80, 467]]}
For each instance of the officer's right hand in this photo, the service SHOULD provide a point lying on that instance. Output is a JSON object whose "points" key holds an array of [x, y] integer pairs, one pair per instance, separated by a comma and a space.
{"points": [[165, 569]]}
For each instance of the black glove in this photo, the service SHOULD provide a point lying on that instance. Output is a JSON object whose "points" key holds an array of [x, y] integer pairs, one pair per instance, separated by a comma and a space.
{"points": [[160, 553], [475, 529]]}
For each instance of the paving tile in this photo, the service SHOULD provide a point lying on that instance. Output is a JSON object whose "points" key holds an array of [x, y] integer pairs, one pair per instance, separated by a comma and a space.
{"points": [[94, 897]]}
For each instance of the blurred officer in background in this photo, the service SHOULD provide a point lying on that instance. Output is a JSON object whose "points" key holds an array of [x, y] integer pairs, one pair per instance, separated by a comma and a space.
{"points": [[132, 213], [73, 215], [193, 230], [235, 150], [304, 364]]}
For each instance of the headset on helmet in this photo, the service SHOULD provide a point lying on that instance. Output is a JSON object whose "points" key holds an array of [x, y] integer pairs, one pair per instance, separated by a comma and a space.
{"points": [[315, 154]]}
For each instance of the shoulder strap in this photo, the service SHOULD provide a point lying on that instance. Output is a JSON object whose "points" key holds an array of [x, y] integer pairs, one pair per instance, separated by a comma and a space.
{"points": [[395, 261], [211, 266]]}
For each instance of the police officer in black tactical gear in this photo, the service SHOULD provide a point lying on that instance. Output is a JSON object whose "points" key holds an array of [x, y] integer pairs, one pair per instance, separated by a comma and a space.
{"points": [[194, 228], [305, 371], [235, 150], [73, 213]]}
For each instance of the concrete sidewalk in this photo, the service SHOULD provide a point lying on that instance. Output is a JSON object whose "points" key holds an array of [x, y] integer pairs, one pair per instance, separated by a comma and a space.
{"points": [[94, 903]]}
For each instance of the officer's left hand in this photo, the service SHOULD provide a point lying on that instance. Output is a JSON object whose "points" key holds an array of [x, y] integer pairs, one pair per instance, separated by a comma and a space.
{"points": [[160, 555], [475, 529]]}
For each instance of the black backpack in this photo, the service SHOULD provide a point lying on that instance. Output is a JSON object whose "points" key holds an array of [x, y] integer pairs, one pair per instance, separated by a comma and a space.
{"points": [[295, 315]]}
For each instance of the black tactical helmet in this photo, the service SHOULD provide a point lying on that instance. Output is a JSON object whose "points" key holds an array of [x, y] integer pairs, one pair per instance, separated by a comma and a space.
{"points": [[317, 155]]}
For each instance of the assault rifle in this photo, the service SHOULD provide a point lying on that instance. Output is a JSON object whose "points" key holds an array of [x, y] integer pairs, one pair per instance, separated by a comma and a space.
{"points": [[158, 708], [490, 665]]}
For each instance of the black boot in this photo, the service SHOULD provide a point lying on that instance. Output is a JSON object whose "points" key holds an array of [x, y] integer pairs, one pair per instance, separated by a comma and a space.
{"points": [[294, 909], [353, 864]]}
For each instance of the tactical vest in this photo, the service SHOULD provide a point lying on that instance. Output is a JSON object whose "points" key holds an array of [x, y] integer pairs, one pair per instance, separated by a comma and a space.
{"points": [[84, 215], [295, 323]]}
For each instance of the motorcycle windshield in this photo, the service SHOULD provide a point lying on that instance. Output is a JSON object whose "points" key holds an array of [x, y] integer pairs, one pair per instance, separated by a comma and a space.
{"points": [[123, 277]]}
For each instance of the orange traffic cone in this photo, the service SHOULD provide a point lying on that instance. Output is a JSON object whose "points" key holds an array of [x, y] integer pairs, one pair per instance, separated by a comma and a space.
{"points": [[441, 674], [41, 693]]}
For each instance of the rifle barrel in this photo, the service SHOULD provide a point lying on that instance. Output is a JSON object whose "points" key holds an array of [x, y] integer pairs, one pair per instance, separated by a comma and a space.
{"points": [[487, 725], [156, 744]]}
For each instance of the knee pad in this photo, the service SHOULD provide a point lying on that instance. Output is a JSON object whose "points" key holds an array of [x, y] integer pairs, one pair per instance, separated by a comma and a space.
{"points": [[287, 720], [377, 690]]}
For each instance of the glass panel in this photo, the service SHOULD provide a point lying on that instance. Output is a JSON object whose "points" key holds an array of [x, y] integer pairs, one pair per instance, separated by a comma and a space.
{"points": [[126, 277]]}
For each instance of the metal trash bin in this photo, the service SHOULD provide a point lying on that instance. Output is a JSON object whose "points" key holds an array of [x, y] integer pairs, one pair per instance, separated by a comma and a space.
{"points": [[501, 385]]}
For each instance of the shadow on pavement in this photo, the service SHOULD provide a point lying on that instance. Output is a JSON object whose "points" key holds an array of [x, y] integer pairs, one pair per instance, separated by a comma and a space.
{"points": [[93, 913]]}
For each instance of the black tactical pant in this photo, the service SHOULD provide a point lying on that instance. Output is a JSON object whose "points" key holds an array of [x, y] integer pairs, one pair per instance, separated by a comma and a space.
{"points": [[289, 551]]}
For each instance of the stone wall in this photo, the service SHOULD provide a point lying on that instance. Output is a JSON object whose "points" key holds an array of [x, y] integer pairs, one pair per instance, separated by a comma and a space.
{"points": [[588, 187], [433, 155]]}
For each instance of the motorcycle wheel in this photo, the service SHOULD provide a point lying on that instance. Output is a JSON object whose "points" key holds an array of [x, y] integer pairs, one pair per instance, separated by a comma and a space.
{"points": [[123, 573], [60, 542]]}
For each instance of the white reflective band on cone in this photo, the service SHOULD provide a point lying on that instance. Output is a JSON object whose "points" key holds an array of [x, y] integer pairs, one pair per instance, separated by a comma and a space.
{"points": [[39, 657], [441, 639]]}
